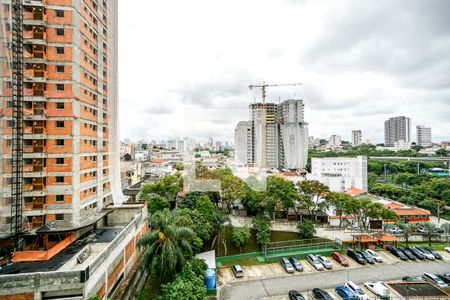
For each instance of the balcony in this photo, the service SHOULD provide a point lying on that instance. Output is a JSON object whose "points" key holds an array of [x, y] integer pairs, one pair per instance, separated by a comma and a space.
{"points": [[37, 146], [37, 203]]}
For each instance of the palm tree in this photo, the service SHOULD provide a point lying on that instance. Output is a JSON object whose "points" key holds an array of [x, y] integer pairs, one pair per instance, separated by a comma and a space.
{"points": [[430, 228], [166, 246], [219, 222], [408, 229]]}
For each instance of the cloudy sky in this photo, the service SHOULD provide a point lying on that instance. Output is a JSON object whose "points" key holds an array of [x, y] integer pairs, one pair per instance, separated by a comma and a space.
{"points": [[185, 66]]}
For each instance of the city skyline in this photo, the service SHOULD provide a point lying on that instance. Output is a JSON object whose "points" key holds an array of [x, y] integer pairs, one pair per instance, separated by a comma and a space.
{"points": [[360, 79]]}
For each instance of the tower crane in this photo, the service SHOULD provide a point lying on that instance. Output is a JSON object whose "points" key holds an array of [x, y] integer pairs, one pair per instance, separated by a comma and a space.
{"points": [[263, 87]]}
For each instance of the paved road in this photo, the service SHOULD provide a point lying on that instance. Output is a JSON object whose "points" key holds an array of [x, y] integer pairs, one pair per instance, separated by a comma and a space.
{"points": [[328, 279]]}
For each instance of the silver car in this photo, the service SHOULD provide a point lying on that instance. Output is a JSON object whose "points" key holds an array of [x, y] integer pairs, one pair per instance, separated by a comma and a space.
{"points": [[325, 261], [315, 262], [376, 257]]}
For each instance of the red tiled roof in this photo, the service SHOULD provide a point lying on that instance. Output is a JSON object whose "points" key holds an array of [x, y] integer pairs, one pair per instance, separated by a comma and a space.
{"points": [[411, 212], [157, 161], [354, 191]]}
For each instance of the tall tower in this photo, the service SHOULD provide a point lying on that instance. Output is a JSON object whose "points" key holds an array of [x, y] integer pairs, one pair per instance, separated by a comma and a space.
{"points": [[423, 136], [68, 114], [265, 134], [397, 129], [356, 138]]}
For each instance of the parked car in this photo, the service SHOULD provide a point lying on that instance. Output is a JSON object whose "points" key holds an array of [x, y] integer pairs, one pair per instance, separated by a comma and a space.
{"points": [[356, 257], [295, 295], [287, 265], [321, 294], [376, 257], [345, 293], [435, 254], [325, 261], [357, 291], [296, 264], [379, 289], [237, 271], [315, 262], [407, 253], [366, 256], [447, 249], [445, 277], [399, 254], [433, 279], [427, 254], [340, 259], [416, 252], [394, 230], [353, 227], [409, 279]]}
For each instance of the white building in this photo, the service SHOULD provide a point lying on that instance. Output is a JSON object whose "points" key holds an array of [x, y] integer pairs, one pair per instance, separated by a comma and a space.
{"points": [[293, 135], [243, 141], [334, 141], [340, 173], [397, 129], [356, 138], [265, 134], [402, 145], [423, 136]]}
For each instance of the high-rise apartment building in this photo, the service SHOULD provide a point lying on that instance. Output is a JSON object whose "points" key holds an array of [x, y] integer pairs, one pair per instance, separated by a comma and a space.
{"points": [[58, 114], [276, 137], [356, 138], [423, 136], [334, 140], [293, 135], [397, 129], [243, 143]]}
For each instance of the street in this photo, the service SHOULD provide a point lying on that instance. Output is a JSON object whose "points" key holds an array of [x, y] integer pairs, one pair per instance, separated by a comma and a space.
{"points": [[257, 289]]}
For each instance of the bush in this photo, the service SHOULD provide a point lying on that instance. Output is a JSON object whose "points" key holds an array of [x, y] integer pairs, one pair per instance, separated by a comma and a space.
{"points": [[240, 236], [306, 229], [261, 225]]}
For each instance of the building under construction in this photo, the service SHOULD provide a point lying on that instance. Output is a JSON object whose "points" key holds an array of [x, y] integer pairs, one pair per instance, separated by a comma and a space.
{"points": [[59, 150]]}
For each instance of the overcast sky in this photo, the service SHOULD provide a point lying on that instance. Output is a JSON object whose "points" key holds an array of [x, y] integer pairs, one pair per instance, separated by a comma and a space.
{"points": [[185, 66]]}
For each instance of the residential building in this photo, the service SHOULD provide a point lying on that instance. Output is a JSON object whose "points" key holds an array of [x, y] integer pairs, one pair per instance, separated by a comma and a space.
{"points": [[397, 129], [293, 135], [408, 214], [340, 173], [356, 138], [265, 131], [243, 141], [334, 141], [423, 136], [401, 145]]}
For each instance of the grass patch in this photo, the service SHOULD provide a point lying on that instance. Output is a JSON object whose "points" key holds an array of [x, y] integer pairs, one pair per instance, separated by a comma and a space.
{"points": [[244, 262], [435, 246]]}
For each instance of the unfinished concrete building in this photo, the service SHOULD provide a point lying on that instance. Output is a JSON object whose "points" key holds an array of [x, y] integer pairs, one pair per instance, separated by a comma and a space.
{"points": [[59, 149]]}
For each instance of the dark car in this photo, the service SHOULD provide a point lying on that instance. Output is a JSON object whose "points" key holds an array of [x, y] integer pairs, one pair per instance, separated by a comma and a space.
{"points": [[408, 253], [366, 256], [356, 256], [416, 253], [296, 264], [445, 277], [409, 279], [321, 294], [295, 295], [345, 293], [435, 254], [394, 251]]}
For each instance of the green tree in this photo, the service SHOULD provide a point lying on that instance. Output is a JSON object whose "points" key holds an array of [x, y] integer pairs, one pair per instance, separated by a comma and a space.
{"points": [[205, 207], [232, 189], [166, 246], [144, 146], [240, 236], [253, 201], [156, 203], [313, 196], [219, 222], [306, 229], [261, 225], [168, 186], [430, 229], [408, 229], [190, 200], [187, 285], [283, 192], [341, 202], [442, 152], [179, 166]]}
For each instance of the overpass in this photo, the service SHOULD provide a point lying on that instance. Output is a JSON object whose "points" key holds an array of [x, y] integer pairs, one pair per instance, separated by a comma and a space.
{"points": [[417, 159]]}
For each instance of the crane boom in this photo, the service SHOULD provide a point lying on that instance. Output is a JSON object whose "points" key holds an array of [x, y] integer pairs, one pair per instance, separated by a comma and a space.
{"points": [[263, 87]]}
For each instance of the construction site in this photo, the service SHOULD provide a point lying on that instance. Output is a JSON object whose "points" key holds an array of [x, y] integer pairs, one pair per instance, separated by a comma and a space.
{"points": [[60, 184]]}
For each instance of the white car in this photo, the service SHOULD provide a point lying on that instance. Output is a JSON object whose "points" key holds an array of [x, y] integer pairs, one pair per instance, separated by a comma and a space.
{"points": [[433, 279], [379, 289], [447, 249], [315, 262], [376, 257], [359, 292], [325, 261]]}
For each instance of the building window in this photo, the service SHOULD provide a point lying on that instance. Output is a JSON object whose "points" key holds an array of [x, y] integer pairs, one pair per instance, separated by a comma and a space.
{"points": [[59, 105], [60, 31], [60, 160], [59, 179], [60, 13], [59, 124], [60, 69], [59, 217], [59, 50], [59, 198], [60, 87], [59, 142]]}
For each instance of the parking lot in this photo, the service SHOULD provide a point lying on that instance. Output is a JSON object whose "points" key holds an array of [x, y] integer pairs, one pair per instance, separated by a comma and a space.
{"points": [[271, 281]]}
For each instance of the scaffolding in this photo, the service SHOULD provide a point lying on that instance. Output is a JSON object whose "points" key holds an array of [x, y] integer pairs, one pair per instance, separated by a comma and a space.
{"points": [[17, 130]]}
